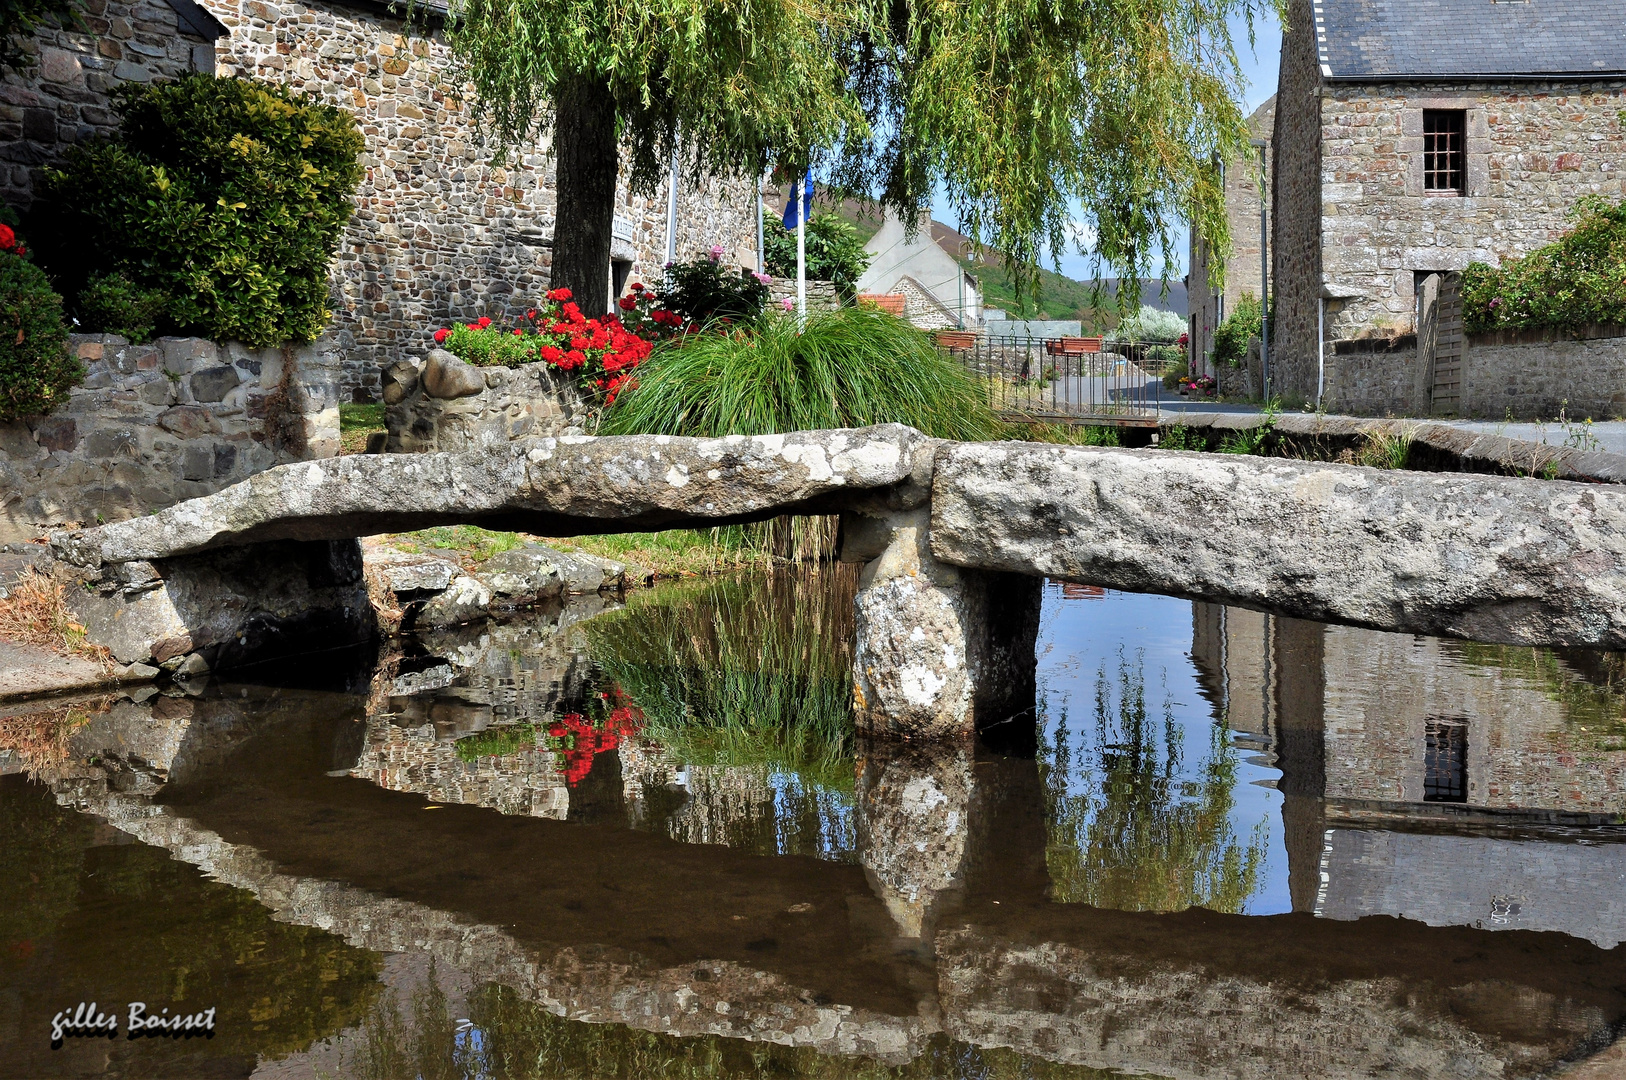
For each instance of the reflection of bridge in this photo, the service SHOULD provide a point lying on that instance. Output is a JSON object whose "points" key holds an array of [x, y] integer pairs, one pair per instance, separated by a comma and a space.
{"points": [[956, 537], [806, 953]]}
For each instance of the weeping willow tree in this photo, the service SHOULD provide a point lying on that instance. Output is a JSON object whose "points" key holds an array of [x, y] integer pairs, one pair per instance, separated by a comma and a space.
{"points": [[1019, 110]]}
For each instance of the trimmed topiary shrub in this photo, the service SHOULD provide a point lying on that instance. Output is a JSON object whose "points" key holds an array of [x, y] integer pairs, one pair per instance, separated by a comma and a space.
{"points": [[36, 371], [227, 196], [1578, 279]]}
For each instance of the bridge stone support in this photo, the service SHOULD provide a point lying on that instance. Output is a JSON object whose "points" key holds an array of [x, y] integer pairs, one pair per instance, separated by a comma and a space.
{"points": [[941, 650]]}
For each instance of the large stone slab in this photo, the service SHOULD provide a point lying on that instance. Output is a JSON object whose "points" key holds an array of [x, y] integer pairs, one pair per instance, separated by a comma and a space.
{"points": [[1488, 558], [559, 487]]}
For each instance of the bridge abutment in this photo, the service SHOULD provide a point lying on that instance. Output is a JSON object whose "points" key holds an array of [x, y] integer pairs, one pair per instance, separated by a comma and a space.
{"points": [[941, 650]]}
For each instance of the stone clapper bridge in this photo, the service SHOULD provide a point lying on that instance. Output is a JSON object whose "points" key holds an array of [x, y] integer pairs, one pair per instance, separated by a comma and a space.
{"points": [[955, 537]]}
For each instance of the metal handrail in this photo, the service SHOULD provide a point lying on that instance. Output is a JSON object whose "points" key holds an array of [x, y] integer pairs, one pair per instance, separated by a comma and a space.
{"points": [[1068, 379]]}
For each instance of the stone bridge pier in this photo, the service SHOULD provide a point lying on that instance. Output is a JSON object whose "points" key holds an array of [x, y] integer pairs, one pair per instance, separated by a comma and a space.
{"points": [[955, 537]]}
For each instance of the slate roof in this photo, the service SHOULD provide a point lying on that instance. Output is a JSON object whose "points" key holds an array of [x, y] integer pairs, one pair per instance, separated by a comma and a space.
{"points": [[1469, 39]]}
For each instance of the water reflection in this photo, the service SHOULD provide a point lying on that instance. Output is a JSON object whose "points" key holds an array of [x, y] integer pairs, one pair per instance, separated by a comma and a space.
{"points": [[579, 847], [1133, 825]]}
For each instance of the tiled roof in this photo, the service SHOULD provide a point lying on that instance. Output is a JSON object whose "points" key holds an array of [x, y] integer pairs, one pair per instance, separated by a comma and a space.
{"points": [[1379, 39]]}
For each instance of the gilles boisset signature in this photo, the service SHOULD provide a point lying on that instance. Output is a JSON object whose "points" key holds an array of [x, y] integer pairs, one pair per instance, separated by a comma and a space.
{"points": [[87, 1021]]}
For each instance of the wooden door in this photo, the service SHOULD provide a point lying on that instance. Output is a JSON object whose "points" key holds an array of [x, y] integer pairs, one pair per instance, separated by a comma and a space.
{"points": [[1446, 399]]}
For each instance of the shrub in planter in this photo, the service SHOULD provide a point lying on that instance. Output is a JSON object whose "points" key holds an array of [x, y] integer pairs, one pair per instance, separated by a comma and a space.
{"points": [[703, 289], [835, 253], [1231, 336], [227, 196], [36, 371]]}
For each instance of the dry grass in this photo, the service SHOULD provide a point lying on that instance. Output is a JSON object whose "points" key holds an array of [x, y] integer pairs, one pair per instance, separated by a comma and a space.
{"points": [[36, 613]]}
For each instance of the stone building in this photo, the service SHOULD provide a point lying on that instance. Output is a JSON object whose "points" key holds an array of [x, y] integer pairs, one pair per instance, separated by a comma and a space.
{"points": [[441, 232], [1411, 140], [939, 293], [1210, 302]]}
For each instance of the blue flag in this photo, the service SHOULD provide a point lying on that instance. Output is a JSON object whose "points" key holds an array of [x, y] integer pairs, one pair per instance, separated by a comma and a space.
{"points": [[793, 212]]}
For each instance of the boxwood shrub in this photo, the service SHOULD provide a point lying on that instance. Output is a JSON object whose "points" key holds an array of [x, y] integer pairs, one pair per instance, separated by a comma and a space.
{"points": [[226, 196], [36, 371], [1578, 279]]}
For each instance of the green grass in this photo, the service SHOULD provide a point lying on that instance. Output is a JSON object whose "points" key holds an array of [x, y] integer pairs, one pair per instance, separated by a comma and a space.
{"points": [[356, 422], [678, 552], [851, 367], [468, 544]]}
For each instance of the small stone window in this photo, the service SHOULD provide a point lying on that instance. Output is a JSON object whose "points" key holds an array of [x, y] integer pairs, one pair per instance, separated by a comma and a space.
{"points": [[1445, 152], [1445, 760]]}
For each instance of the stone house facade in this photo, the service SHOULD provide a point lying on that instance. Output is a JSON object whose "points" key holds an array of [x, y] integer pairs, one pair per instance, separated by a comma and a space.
{"points": [[442, 232], [1402, 153], [1211, 301], [925, 269]]}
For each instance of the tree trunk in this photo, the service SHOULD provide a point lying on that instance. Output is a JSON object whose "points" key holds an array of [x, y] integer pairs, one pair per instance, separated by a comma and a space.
{"points": [[587, 159]]}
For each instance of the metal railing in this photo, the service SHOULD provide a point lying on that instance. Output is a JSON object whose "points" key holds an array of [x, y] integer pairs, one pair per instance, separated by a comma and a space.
{"points": [[1067, 380]]}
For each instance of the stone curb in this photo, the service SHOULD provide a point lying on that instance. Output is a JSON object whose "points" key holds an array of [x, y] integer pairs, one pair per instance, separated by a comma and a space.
{"points": [[1478, 452]]}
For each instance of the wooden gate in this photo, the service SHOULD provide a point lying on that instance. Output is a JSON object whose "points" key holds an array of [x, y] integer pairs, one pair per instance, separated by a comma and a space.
{"points": [[1446, 396]]}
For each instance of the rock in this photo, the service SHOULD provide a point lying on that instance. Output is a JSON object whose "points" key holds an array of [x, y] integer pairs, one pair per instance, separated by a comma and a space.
{"points": [[193, 666], [188, 421], [466, 599], [399, 380], [529, 573], [546, 486], [408, 573], [166, 649], [445, 376], [138, 673], [377, 442], [1497, 559], [213, 384], [28, 670]]}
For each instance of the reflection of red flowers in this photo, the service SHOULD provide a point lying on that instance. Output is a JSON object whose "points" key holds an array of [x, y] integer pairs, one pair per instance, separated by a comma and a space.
{"points": [[582, 740]]}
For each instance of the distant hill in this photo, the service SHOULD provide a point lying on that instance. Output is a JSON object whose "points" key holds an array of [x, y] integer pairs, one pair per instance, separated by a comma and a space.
{"points": [[1059, 296]]}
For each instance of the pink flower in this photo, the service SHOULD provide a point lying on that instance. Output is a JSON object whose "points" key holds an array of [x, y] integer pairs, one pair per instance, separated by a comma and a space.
{"points": [[787, 303], [716, 252], [763, 278]]}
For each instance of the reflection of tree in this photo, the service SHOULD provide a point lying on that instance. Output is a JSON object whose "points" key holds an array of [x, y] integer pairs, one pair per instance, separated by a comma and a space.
{"points": [[1589, 684], [1139, 831], [515, 1039]]}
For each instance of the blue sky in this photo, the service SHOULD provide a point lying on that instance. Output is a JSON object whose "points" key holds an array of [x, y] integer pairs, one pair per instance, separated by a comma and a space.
{"points": [[1259, 66]]}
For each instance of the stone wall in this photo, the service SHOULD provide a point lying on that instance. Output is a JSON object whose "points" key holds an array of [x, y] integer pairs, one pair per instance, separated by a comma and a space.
{"points": [[441, 232], [1522, 374], [155, 424], [64, 99], [445, 404], [1208, 301], [1296, 241]]}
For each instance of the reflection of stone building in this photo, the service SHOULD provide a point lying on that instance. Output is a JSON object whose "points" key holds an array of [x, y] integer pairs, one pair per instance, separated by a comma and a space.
{"points": [[1422, 777]]}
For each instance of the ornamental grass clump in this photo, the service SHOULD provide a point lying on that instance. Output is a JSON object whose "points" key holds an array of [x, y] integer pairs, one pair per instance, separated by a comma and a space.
{"points": [[225, 196], [1578, 279], [850, 367]]}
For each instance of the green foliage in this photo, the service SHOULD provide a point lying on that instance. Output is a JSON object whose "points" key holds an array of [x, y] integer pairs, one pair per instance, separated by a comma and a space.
{"points": [[226, 195], [113, 304], [36, 371], [1017, 112], [1070, 434], [496, 742], [835, 252], [1149, 324], [1385, 450], [704, 289], [21, 19], [491, 346], [1578, 279], [848, 368], [1180, 437], [1231, 336]]}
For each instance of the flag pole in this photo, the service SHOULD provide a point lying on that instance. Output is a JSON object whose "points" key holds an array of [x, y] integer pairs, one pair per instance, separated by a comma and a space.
{"points": [[801, 251]]}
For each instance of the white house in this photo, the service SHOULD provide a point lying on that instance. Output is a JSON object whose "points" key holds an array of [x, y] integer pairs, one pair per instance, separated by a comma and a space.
{"points": [[938, 292]]}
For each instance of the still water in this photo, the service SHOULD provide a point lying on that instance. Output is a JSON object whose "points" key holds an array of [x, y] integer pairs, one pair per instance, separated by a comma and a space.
{"points": [[643, 841]]}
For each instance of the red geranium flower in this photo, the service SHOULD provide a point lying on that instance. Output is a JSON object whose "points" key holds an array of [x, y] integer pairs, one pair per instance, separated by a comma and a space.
{"points": [[559, 294], [484, 322], [7, 238], [441, 335]]}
